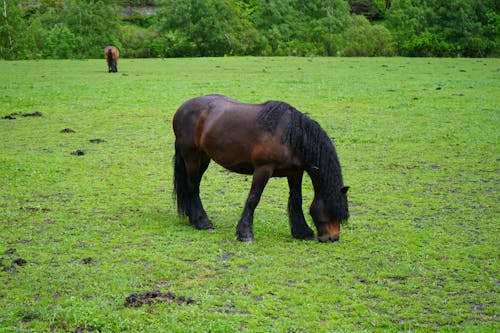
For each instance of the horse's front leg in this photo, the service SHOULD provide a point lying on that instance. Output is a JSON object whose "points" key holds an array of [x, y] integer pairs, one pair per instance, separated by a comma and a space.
{"points": [[300, 229], [261, 176]]}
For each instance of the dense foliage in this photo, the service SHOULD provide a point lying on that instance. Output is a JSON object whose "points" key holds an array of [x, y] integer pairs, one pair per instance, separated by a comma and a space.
{"points": [[175, 28]]}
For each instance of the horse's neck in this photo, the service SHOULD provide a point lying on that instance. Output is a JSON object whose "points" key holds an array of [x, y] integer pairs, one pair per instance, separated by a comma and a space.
{"points": [[325, 176], [316, 180]]}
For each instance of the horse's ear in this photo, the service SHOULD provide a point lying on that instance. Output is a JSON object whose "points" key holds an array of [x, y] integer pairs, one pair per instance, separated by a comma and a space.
{"points": [[344, 189]]}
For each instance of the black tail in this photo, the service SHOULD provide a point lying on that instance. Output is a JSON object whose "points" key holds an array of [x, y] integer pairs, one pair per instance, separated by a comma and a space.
{"points": [[110, 59], [181, 188]]}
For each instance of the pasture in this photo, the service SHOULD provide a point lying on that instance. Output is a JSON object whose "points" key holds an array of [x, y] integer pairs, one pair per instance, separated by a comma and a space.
{"points": [[87, 224]]}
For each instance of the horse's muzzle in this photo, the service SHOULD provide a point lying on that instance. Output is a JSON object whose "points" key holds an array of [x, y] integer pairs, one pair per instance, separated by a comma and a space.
{"points": [[328, 238], [329, 233]]}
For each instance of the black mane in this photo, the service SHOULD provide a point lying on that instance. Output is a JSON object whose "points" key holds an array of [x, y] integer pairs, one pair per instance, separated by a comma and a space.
{"points": [[308, 140], [271, 114]]}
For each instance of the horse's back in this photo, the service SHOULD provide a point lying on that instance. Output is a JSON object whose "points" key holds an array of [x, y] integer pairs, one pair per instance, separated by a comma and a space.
{"points": [[211, 109], [228, 131], [215, 103]]}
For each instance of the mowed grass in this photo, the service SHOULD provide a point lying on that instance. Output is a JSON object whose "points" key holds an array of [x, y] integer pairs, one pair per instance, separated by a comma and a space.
{"points": [[418, 141]]}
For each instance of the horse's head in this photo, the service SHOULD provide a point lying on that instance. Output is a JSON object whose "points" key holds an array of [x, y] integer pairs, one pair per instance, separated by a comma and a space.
{"points": [[328, 216]]}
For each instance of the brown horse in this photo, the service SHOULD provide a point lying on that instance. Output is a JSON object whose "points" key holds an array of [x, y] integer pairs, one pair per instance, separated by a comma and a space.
{"points": [[112, 54], [266, 140]]}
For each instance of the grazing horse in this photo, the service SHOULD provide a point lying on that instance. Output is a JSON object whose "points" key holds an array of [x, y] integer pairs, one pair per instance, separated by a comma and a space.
{"points": [[266, 140], [111, 54]]}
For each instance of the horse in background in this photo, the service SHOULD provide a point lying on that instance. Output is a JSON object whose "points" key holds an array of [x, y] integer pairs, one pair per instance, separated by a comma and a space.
{"points": [[266, 140], [112, 54]]}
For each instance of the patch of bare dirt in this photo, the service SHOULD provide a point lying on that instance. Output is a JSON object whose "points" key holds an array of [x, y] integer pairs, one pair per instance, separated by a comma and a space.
{"points": [[150, 297], [30, 209], [14, 261], [88, 328], [97, 140], [78, 152], [13, 115]]}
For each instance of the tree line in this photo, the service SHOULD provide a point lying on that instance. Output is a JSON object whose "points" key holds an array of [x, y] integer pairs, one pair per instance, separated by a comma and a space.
{"points": [[195, 28]]}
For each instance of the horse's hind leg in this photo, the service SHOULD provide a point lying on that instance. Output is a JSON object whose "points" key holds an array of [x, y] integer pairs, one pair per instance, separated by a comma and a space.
{"points": [[196, 165], [300, 229]]}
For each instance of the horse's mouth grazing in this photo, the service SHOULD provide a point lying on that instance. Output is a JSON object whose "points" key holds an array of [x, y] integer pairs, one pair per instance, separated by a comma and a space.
{"points": [[328, 238], [329, 233]]}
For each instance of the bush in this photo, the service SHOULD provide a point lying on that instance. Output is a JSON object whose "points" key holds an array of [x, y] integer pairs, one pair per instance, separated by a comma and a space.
{"points": [[364, 39], [59, 42], [136, 42], [178, 45], [428, 45]]}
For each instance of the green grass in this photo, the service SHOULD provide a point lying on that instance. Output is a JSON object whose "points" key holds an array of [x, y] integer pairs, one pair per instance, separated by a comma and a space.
{"points": [[418, 141]]}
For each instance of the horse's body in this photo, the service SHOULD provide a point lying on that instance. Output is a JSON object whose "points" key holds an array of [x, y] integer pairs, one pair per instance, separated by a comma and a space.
{"points": [[112, 54], [266, 140]]}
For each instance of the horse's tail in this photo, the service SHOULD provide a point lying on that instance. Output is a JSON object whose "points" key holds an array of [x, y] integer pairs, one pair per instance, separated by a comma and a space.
{"points": [[110, 57], [181, 187]]}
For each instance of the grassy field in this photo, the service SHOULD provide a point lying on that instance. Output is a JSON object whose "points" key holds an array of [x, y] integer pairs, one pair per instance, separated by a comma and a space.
{"points": [[418, 140]]}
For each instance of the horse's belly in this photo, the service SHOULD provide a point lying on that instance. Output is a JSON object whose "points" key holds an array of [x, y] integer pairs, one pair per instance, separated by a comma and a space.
{"points": [[243, 168], [232, 158], [243, 159]]}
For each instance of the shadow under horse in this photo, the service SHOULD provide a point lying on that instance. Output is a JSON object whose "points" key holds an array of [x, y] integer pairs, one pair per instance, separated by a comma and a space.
{"points": [[112, 54], [266, 140]]}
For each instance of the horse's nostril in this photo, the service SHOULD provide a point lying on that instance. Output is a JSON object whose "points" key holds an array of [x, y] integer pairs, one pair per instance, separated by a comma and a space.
{"points": [[328, 238]]}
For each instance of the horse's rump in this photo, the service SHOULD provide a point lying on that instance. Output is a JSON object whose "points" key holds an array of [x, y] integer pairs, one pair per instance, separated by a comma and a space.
{"points": [[111, 54]]}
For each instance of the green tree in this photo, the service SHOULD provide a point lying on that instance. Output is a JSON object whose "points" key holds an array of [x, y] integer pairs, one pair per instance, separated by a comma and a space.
{"points": [[370, 9], [249, 41], [15, 41], [59, 42], [94, 25], [278, 21], [324, 22], [470, 27], [294, 27], [199, 27], [366, 39]]}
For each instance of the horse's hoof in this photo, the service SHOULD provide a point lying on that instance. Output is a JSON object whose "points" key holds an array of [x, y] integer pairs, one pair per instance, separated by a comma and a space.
{"points": [[246, 239], [204, 225], [208, 227], [306, 237]]}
